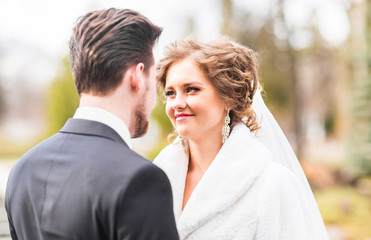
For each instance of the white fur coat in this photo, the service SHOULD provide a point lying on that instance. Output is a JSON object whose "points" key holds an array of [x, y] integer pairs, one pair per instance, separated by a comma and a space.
{"points": [[242, 195]]}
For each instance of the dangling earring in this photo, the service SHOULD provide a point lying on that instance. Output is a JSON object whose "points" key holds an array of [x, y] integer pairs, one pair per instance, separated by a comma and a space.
{"points": [[226, 129]]}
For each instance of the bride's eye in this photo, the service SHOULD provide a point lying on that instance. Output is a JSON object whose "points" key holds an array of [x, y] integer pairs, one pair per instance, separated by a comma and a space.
{"points": [[192, 89], [169, 93]]}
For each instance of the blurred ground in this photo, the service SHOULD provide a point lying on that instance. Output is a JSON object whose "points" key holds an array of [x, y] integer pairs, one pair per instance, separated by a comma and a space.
{"points": [[4, 227], [4, 172], [5, 166]]}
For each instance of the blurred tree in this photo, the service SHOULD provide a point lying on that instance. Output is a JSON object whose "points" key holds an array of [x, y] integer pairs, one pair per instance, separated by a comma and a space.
{"points": [[277, 69], [62, 98], [2, 103], [360, 64], [297, 80], [2, 98]]}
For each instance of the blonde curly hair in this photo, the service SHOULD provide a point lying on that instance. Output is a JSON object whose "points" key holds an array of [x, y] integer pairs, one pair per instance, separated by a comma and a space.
{"points": [[231, 68]]}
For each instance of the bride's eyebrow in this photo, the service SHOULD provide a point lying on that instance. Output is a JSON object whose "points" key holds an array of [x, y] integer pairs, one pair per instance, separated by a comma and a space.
{"points": [[168, 87], [193, 83], [187, 84]]}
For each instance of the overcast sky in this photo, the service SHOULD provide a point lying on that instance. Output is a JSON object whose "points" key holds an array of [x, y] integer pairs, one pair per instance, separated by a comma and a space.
{"points": [[34, 34], [45, 25]]}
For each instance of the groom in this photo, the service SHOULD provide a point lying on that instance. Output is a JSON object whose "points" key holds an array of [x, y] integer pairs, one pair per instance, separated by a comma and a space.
{"points": [[84, 182]]}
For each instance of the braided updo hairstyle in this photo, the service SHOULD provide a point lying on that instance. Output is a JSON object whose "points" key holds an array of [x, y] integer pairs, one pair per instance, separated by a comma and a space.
{"points": [[230, 67]]}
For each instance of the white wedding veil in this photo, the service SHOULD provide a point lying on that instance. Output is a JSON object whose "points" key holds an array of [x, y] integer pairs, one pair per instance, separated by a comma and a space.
{"points": [[271, 135]]}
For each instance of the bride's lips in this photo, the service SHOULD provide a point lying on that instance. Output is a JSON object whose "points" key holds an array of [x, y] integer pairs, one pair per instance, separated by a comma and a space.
{"points": [[182, 116]]}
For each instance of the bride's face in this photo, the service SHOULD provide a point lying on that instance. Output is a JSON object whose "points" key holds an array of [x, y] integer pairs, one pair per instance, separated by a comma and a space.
{"points": [[192, 103]]}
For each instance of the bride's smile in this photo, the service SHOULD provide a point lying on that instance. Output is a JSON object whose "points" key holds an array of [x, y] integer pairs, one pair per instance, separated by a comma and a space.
{"points": [[182, 116], [192, 102]]}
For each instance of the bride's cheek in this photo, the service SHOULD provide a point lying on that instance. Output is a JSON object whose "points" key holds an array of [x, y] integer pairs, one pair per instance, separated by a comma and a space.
{"points": [[168, 112]]}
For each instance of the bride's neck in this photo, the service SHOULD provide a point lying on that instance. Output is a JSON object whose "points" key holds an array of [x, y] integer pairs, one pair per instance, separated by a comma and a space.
{"points": [[202, 153]]}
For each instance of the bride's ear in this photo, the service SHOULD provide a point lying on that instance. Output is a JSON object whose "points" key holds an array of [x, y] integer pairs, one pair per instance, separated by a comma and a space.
{"points": [[229, 106], [229, 103]]}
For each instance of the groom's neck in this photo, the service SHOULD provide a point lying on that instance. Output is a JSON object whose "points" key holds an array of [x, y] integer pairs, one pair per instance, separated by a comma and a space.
{"points": [[116, 104]]}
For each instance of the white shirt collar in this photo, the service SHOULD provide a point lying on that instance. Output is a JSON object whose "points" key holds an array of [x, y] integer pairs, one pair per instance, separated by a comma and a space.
{"points": [[107, 118]]}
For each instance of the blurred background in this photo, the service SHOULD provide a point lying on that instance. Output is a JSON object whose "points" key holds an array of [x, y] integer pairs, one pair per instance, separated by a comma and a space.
{"points": [[315, 67]]}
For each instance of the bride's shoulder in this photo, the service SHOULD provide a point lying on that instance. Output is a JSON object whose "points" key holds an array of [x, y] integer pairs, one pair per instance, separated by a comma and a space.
{"points": [[279, 176]]}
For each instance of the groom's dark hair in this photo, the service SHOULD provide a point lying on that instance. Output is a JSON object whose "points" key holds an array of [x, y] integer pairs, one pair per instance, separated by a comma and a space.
{"points": [[105, 43]]}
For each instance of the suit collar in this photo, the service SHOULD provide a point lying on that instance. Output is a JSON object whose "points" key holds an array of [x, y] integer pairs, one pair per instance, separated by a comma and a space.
{"points": [[105, 117], [233, 171], [88, 127]]}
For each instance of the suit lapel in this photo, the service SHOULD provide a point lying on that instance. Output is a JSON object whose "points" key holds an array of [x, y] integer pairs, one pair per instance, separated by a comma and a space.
{"points": [[93, 128]]}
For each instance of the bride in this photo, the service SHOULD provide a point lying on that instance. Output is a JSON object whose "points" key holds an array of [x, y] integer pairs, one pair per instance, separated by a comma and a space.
{"points": [[232, 171]]}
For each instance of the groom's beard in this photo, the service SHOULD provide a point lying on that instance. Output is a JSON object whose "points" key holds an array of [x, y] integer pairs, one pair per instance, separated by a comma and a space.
{"points": [[141, 122]]}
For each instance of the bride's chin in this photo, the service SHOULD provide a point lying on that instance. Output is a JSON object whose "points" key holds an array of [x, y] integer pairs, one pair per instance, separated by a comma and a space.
{"points": [[184, 133]]}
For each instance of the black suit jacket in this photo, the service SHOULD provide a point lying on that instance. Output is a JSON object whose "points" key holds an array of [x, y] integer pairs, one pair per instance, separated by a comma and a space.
{"points": [[85, 183]]}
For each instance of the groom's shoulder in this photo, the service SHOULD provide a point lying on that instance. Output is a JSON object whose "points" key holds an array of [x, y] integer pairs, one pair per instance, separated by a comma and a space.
{"points": [[117, 159], [95, 150], [126, 160], [46, 143], [127, 168]]}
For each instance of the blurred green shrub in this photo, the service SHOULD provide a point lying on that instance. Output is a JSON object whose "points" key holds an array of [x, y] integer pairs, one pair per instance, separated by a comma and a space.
{"points": [[159, 115], [12, 150], [345, 207], [62, 99]]}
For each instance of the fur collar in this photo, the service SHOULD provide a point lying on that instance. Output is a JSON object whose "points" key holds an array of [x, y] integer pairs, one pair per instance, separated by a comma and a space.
{"points": [[233, 171]]}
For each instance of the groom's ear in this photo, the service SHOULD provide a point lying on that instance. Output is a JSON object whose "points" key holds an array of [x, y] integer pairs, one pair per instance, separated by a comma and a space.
{"points": [[137, 77]]}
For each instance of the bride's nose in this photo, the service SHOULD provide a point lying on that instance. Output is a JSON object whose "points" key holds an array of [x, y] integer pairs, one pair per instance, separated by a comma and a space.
{"points": [[179, 102]]}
